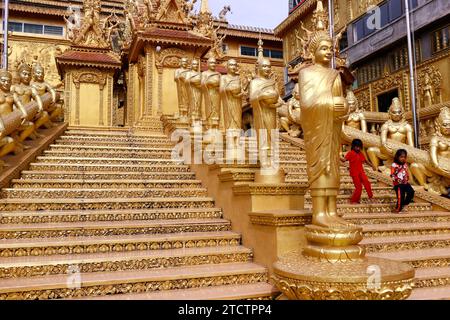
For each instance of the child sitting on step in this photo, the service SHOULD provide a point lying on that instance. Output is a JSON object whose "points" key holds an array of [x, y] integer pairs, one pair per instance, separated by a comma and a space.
{"points": [[400, 176], [357, 159]]}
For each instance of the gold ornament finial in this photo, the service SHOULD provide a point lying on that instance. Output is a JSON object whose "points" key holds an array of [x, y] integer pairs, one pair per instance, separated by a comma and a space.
{"points": [[205, 7]]}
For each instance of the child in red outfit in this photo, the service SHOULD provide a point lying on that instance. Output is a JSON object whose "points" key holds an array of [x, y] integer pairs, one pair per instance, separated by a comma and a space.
{"points": [[357, 159]]}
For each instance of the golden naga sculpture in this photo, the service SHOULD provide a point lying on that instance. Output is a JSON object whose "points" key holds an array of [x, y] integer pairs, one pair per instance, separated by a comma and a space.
{"points": [[290, 114], [211, 93], [180, 79], [356, 118], [231, 96], [24, 94], [265, 99], [42, 87], [194, 86]]}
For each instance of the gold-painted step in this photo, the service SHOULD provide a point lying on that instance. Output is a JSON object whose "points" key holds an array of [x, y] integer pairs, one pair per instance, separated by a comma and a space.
{"points": [[106, 228], [407, 217], [88, 245], [389, 244], [107, 175], [107, 167], [129, 133], [56, 216], [419, 258], [114, 193], [104, 204], [18, 267], [132, 282], [125, 143], [114, 139], [104, 184], [111, 161], [348, 209], [377, 199], [432, 277], [405, 229], [110, 154], [431, 293], [254, 291], [102, 149]]}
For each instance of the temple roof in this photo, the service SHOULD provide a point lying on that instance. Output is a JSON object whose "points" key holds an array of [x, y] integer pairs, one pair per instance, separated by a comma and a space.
{"points": [[295, 17], [103, 59]]}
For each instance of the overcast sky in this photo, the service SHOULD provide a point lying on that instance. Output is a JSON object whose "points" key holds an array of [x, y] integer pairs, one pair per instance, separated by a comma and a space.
{"points": [[256, 13]]}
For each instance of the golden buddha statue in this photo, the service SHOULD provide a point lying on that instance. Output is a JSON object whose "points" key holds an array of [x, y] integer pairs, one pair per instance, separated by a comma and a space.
{"points": [[211, 93], [265, 99], [356, 118], [180, 79], [8, 103], [42, 88], [324, 109], [397, 129], [23, 94], [290, 114], [194, 85], [231, 96]]}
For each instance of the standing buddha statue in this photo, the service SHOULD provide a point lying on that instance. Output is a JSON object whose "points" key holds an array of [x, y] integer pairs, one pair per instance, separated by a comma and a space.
{"points": [[324, 108], [42, 88], [211, 93], [265, 99], [194, 81], [180, 79]]}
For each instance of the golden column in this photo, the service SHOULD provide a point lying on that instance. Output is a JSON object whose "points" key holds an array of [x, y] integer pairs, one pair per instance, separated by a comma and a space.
{"points": [[332, 265]]}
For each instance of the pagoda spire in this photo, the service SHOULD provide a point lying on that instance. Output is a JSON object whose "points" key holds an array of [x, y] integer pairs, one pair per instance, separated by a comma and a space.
{"points": [[205, 7]]}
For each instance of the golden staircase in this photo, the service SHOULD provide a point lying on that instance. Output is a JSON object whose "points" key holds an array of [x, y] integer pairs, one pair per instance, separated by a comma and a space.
{"points": [[106, 214], [419, 236]]}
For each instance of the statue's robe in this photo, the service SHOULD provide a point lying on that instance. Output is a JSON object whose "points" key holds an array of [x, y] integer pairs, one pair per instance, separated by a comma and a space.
{"points": [[322, 127], [230, 90], [210, 85], [180, 79], [195, 95]]}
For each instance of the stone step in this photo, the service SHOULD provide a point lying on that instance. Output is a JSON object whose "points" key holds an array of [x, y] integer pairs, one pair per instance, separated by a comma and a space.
{"points": [[131, 282], [129, 143], [433, 293], [110, 161], [106, 228], [377, 199], [104, 184], [113, 193], [349, 209], [401, 243], [122, 243], [31, 217], [104, 204], [408, 217], [106, 175], [405, 229], [34, 266], [419, 258], [256, 291], [107, 167], [109, 154]]}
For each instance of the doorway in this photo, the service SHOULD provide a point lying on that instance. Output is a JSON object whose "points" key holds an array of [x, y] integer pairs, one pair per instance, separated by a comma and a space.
{"points": [[385, 100]]}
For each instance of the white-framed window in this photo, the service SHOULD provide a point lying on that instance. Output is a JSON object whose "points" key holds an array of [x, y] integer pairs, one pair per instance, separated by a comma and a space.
{"points": [[35, 28]]}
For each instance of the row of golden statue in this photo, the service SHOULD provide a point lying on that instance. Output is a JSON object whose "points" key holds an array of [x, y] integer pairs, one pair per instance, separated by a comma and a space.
{"points": [[19, 117]]}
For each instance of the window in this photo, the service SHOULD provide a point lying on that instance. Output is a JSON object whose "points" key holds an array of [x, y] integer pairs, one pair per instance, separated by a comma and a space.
{"points": [[441, 39], [33, 28], [276, 54], [15, 26], [343, 44], [248, 51], [358, 30], [225, 48], [395, 9], [385, 100], [53, 30]]}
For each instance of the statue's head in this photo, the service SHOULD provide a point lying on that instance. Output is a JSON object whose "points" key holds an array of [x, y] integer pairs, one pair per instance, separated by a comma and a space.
{"points": [[321, 47], [232, 66], [265, 68], [443, 121], [5, 80], [24, 71], [184, 63], [195, 65], [396, 112], [38, 72], [352, 101], [212, 63]]}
